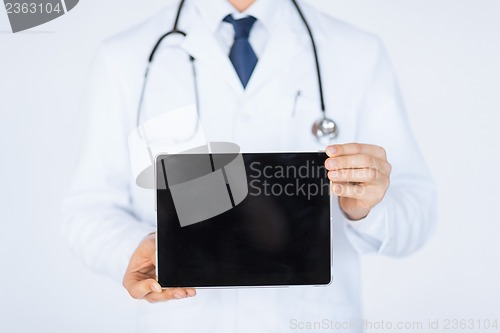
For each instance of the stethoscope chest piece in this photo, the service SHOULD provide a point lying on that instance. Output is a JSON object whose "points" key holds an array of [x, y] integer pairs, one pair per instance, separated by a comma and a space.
{"points": [[325, 130]]}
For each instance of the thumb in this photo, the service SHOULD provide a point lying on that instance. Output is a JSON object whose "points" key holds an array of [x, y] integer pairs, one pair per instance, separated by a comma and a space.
{"points": [[153, 258]]}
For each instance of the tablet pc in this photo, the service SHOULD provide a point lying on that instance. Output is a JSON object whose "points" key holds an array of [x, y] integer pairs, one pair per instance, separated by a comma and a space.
{"points": [[243, 220]]}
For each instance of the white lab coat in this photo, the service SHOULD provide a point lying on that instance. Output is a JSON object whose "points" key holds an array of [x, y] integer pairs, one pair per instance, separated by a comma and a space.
{"points": [[106, 215]]}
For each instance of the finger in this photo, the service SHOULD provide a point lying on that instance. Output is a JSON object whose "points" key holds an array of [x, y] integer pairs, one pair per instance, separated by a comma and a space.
{"points": [[142, 288], [354, 149], [191, 292], [355, 191], [364, 175], [359, 161], [171, 294]]}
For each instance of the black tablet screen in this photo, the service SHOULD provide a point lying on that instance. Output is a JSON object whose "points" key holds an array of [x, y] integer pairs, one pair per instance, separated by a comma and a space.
{"points": [[276, 231]]}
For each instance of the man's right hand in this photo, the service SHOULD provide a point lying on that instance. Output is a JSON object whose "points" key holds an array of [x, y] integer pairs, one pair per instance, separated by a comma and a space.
{"points": [[140, 277]]}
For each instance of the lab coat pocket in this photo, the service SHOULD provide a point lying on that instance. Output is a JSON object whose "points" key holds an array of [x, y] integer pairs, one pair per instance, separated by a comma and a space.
{"points": [[174, 131], [304, 113]]}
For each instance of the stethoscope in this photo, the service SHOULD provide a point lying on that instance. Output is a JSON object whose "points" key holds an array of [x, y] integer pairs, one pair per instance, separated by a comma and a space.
{"points": [[324, 129]]}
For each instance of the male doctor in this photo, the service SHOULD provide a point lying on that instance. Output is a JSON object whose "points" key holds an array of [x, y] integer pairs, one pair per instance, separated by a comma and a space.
{"points": [[257, 87]]}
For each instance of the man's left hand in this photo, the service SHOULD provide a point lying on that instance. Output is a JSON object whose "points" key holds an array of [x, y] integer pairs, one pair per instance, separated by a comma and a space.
{"points": [[360, 174]]}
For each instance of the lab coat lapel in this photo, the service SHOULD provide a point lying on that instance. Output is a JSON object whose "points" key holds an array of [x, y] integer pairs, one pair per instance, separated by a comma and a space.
{"points": [[281, 48], [201, 44]]}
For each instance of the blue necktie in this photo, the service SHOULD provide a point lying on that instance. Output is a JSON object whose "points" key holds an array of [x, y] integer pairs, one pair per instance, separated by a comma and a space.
{"points": [[242, 55]]}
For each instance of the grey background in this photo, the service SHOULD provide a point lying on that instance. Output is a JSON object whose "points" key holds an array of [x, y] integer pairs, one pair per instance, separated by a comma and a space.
{"points": [[447, 57]]}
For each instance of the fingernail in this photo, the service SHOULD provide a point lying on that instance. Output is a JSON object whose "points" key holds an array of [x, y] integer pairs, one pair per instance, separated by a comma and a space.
{"points": [[331, 150], [157, 288], [337, 189], [334, 174], [332, 163], [178, 296]]}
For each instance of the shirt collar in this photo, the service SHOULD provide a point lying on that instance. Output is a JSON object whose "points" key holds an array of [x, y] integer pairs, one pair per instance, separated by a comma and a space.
{"points": [[214, 11]]}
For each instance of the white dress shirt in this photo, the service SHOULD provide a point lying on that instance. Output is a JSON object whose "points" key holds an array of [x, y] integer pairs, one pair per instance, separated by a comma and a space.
{"points": [[214, 12]]}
